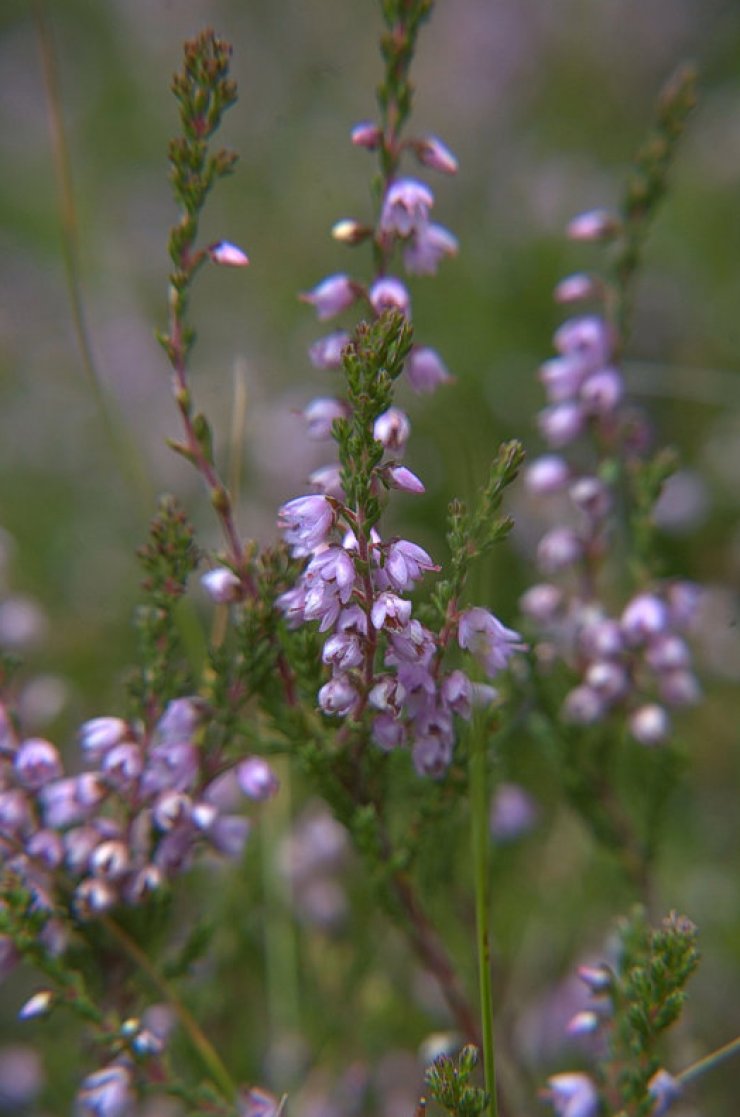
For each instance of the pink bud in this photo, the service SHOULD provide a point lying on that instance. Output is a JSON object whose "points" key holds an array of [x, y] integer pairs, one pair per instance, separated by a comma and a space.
{"points": [[399, 477], [227, 254], [37, 1005], [574, 288], [433, 153], [257, 779], [333, 295], [650, 725], [222, 585], [596, 224], [366, 134]]}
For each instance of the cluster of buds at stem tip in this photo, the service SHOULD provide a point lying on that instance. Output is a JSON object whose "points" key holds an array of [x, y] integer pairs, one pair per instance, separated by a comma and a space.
{"points": [[634, 663], [134, 817]]}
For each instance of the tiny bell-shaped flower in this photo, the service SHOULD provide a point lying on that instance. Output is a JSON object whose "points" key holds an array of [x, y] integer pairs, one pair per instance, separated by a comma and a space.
{"points": [[257, 779], [425, 369], [572, 1094], [486, 638], [392, 429], [320, 415], [228, 255], [106, 1093], [222, 585], [333, 295], [576, 287], [326, 352], [99, 735], [405, 207], [388, 293]]}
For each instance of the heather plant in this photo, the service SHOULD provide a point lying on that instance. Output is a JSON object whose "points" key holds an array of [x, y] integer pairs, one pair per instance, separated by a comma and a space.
{"points": [[331, 744]]}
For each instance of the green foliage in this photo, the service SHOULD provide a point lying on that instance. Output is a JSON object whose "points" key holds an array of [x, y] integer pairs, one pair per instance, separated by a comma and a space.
{"points": [[646, 994], [372, 361], [168, 559], [449, 1082], [472, 533]]}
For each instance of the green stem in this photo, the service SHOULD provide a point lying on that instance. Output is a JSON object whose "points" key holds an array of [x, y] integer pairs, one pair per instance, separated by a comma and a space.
{"points": [[209, 1056], [479, 807], [709, 1062]]}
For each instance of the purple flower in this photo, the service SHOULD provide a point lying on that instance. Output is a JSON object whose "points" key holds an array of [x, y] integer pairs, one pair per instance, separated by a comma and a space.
{"points": [[590, 339], [488, 639], [405, 207], [650, 724], [100, 734], [37, 762], [665, 1089], [326, 352], [257, 779], [425, 369], [645, 617], [583, 706], [561, 423], [572, 1095], [320, 416], [392, 429], [558, 549], [222, 585], [338, 696], [399, 477], [388, 732], [427, 248], [576, 287], [305, 523], [433, 153], [390, 611], [343, 651], [107, 1093], [513, 812], [367, 134], [601, 391], [333, 295], [388, 293], [546, 475], [596, 224], [228, 254], [405, 563]]}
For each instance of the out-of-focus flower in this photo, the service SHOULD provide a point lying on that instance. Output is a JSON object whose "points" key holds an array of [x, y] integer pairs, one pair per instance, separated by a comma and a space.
{"points": [[572, 1094], [228, 254]]}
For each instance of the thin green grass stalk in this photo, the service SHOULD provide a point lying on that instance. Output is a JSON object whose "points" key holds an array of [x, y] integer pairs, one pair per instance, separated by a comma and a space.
{"points": [[129, 458], [709, 1062], [479, 811], [211, 1060]]}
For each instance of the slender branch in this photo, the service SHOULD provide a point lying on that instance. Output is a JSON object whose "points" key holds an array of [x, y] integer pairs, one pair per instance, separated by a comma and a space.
{"points": [[209, 1056], [480, 840]]}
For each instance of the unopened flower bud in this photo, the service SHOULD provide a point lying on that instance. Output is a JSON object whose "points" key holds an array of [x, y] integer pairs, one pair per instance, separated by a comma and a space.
{"points": [[546, 475], [399, 477], [100, 734], [37, 762], [594, 225], [367, 134], [227, 254], [37, 1005], [257, 779], [433, 153], [650, 725], [349, 231], [583, 1023], [222, 585], [110, 860], [575, 288]]}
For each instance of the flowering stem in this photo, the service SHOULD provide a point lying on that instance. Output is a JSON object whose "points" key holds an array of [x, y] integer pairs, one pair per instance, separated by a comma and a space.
{"points": [[207, 1052], [479, 831], [709, 1062]]}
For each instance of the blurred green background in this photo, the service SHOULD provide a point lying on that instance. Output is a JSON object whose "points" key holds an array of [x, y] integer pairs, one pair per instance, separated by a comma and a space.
{"points": [[544, 103]]}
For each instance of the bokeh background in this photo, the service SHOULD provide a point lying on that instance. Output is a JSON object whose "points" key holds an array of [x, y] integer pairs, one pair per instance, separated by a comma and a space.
{"points": [[544, 103]]}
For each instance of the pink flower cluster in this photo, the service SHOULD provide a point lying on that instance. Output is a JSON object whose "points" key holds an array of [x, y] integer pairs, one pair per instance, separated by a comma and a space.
{"points": [[132, 819], [635, 660], [379, 655]]}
